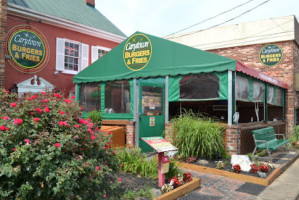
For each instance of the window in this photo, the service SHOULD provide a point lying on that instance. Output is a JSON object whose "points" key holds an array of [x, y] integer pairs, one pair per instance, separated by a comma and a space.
{"points": [[90, 96], [202, 86], [97, 52], [117, 97], [242, 88], [71, 56]]}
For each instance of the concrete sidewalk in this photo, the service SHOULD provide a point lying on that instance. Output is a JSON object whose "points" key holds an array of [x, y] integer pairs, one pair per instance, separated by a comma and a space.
{"points": [[285, 187]]}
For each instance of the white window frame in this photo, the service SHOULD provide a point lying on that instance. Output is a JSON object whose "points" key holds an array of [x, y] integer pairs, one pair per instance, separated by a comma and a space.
{"points": [[60, 55], [95, 52]]}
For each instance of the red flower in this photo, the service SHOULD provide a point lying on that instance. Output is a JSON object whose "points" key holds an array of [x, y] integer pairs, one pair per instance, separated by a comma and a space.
{"points": [[27, 141], [119, 179], [105, 196], [68, 100], [61, 112], [39, 110], [254, 168], [28, 99], [62, 123], [17, 121], [93, 137], [13, 104], [36, 119], [264, 168], [77, 125], [72, 97], [57, 145], [45, 100], [2, 128], [14, 149], [5, 118], [237, 168], [121, 165], [57, 95], [46, 109], [97, 168], [7, 91], [33, 97], [106, 148], [82, 149], [43, 93]]}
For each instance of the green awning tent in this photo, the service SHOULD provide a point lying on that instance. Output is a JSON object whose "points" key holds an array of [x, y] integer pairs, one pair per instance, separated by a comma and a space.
{"points": [[168, 58], [173, 60]]}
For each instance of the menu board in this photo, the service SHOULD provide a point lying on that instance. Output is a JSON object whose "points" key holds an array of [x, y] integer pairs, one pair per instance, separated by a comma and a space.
{"points": [[159, 144]]}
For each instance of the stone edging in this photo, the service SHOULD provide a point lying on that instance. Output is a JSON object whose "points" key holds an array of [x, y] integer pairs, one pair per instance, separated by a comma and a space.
{"points": [[251, 179], [180, 191]]}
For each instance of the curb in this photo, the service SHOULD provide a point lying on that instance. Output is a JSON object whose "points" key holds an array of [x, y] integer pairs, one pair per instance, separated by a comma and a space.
{"points": [[180, 191], [251, 179]]}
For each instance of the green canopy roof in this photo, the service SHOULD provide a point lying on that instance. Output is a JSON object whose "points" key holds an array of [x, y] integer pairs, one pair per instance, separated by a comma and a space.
{"points": [[167, 58]]}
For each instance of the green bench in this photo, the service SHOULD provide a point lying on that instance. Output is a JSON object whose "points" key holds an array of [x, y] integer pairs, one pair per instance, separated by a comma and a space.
{"points": [[265, 138]]}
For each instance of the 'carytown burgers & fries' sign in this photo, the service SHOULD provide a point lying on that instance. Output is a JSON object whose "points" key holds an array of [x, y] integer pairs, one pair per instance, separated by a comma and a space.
{"points": [[137, 52], [28, 49]]}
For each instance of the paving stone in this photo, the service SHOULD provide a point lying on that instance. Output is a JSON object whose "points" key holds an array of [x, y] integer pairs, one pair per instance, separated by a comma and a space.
{"points": [[251, 188]]}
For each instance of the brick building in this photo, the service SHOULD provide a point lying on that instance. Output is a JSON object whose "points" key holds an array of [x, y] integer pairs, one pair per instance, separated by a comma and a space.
{"points": [[245, 42], [45, 43]]}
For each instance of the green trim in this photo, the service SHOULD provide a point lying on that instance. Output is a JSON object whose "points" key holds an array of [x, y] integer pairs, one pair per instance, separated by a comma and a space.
{"points": [[174, 88], [214, 99], [223, 85], [117, 116]]}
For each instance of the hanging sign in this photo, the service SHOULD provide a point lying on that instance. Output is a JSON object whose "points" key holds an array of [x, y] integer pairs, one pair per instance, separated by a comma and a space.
{"points": [[159, 144], [137, 52], [27, 48], [271, 55]]}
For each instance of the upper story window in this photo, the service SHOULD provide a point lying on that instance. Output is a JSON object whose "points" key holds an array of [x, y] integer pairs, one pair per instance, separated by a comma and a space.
{"points": [[71, 56], [97, 52]]}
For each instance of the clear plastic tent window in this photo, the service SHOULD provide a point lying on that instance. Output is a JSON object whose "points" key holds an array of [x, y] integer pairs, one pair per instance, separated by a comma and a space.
{"points": [[242, 88], [117, 97], [258, 91], [278, 97], [202, 86], [90, 96], [270, 98]]}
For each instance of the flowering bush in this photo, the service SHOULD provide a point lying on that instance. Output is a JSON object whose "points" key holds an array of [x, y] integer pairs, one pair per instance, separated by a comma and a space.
{"points": [[176, 182], [47, 151], [237, 168]]}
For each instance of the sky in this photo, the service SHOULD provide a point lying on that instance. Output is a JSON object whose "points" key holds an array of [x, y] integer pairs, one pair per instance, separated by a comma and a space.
{"points": [[164, 17]]}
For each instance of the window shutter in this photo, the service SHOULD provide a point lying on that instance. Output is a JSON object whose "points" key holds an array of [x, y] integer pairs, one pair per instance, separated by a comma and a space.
{"points": [[84, 56], [60, 43], [94, 53]]}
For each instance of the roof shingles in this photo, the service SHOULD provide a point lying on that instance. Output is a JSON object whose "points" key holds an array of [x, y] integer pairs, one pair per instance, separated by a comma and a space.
{"points": [[73, 10]]}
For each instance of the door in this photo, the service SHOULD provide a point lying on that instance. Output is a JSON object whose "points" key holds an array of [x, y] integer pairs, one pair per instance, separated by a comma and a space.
{"points": [[151, 112]]}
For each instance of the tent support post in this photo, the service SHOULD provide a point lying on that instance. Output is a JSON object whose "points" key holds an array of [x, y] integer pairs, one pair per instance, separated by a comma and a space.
{"points": [[266, 103], [166, 100], [76, 92], [136, 112], [230, 98]]}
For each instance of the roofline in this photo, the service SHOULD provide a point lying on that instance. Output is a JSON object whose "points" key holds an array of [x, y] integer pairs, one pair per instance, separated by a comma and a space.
{"points": [[63, 23]]}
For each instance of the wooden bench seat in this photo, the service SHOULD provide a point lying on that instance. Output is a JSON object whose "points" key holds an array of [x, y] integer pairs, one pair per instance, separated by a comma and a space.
{"points": [[265, 138]]}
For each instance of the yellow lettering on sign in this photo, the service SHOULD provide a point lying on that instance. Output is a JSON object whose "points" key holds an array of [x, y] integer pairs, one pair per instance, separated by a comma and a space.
{"points": [[16, 55]]}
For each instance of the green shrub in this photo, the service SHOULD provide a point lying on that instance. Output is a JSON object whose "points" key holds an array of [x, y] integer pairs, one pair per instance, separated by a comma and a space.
{"points": [[198, 136], [135, 162], [295, 136], [95, 117], [47, 151]]}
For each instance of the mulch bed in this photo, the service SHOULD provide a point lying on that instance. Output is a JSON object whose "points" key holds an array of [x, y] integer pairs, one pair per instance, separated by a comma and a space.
{"points": [[213, 164], [133, 182]]}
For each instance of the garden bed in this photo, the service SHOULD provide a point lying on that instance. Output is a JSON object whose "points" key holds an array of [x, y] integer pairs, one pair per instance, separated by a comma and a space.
{"points": [[239, 176]]}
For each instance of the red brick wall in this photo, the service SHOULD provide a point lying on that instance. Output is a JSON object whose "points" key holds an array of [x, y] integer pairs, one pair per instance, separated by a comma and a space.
{"points": [[130, 134], [3, 18], [249, 55], [63, 82]]}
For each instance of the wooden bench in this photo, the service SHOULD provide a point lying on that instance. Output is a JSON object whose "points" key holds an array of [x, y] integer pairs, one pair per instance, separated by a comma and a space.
{"points": [[265, 138]]}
